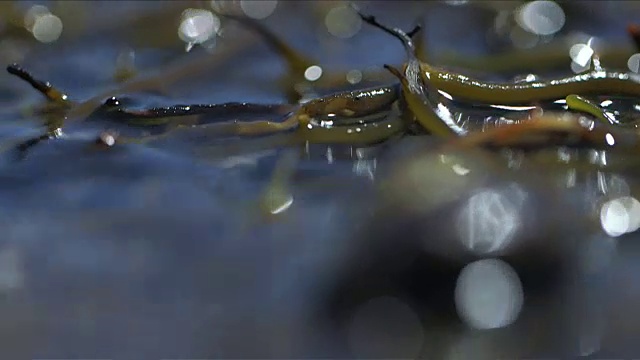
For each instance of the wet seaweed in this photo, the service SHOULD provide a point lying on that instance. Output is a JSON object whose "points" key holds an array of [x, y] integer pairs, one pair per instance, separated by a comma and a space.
{"points": [[45, 88], [367, 116]]}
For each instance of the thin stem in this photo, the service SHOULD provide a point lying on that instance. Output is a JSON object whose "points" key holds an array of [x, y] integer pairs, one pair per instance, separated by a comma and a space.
{"points": [[45, 88], [405, 38]]}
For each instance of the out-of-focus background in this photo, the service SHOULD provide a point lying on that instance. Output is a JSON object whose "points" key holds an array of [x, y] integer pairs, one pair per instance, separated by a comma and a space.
{"points": [[383, 252]]}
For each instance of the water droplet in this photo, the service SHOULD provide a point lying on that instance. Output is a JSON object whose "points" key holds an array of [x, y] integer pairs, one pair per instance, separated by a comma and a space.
{"points": [[313, 73], [258, 9], [343, 22], [634, 63], [488, 294], [541, 17]]}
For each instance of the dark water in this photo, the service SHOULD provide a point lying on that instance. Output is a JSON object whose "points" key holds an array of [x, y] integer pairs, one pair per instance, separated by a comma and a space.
{"points": [[162, 251]]}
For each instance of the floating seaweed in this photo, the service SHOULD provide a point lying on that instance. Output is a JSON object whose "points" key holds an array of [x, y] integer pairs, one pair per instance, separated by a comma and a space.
{"points": [[426, 97]]}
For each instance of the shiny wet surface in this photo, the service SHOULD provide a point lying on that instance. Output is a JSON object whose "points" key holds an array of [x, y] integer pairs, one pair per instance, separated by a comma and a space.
{"points": [[163, 251]]}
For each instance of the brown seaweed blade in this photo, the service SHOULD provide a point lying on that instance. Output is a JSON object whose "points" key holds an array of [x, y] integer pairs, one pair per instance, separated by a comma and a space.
{"points": [[171, 115], [551, 129], [421, 96], [44, 87], [54, 96]]}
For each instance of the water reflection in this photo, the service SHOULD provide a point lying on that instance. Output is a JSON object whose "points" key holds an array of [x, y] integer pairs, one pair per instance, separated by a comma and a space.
{"points": [[354, 76], [258, 9], [45, 26], [197, 27], [313, 73], [343, 22], [620, 216], [634, 63], [541, 17], [365, 168], [488, 294], [490, 219], [581, 55]]}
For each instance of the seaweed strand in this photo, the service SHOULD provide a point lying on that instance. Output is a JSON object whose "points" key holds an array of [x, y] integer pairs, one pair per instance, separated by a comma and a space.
{"points": [[44, 87]]}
